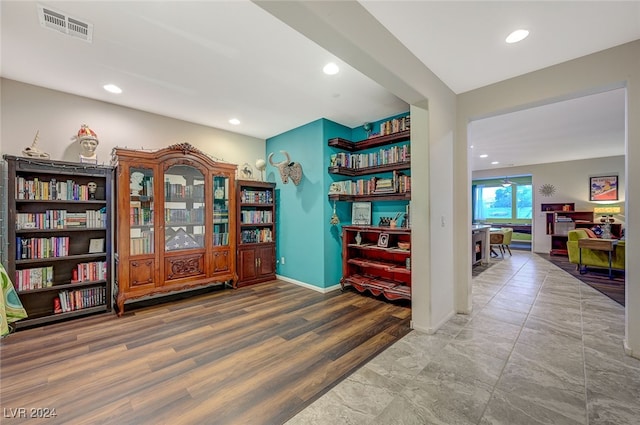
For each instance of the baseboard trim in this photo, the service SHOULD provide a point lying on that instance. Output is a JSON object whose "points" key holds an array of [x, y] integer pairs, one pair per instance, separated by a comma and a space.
{"points": [[628, 350], [433, 329], [309, 286]]}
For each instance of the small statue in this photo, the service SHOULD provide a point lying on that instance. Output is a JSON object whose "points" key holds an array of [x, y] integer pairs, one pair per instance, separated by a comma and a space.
{"points": [[88, 142], [33, 151], [136, 183], [93, 187]]}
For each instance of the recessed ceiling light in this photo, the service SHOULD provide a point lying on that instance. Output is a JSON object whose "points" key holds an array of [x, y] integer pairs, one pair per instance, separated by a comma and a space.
{"points": [[484, 155], [331, 69], [112, 88], [495, 163], [517, 35], [234, 121]]}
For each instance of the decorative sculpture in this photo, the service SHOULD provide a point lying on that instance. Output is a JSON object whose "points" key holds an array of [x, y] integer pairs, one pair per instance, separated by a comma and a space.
{"points": [[261, 165], [246, 171], [33, 151], [88, 142], [334, 218], [288, 169]]}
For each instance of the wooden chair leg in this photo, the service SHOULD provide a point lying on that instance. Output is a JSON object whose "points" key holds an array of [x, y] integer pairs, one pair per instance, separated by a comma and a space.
{"points": [[507, 246]]}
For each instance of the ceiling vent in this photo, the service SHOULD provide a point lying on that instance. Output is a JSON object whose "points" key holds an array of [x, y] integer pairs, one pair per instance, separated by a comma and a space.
{"points": [[58, 21]]}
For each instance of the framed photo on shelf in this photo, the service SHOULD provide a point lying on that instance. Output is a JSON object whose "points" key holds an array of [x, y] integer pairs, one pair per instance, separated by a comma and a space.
{"points": [[361, 213], [96, 245], [603, 188], [383, 240]]}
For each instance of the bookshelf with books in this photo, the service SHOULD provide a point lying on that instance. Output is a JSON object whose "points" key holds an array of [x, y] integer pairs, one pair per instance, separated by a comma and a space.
{"points": [[179, 234], [562, 217], [59, 234], [256, 232], [385, 158]]}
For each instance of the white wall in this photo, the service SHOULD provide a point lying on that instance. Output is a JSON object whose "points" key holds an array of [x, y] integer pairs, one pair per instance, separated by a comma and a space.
{"points": [[58, 116], [571, 180]]}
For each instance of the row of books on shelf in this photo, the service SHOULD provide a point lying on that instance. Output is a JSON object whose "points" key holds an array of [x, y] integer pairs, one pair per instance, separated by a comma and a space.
{"points": [[392, 155], [183, 216], [562, 218], [395, 125], [399, 183], [220, 217], [35, 278], [33, 248], [94, 270], [256, 196], [42, 277], [140, 216], [176, 191], [141, 242], [256, 217], [256, 236], [62, 219], [51, 190], [221, 239], [79, 299]]}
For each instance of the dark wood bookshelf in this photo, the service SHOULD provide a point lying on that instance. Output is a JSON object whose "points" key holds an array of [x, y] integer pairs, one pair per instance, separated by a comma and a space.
{"points": [[40, 302], [354, 172], [372, 142], [404, 196]]}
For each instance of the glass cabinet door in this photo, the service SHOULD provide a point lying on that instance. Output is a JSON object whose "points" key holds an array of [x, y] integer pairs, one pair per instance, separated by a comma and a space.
{"points": [[220, 210], [141, 211], [184, 208]]}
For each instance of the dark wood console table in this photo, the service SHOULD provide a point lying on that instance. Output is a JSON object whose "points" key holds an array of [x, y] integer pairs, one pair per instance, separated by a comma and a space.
{"points": [[597, 245]]}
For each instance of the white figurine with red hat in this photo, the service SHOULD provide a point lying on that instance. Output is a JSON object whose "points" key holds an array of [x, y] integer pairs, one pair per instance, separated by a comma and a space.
{"points": [[88, 142]]}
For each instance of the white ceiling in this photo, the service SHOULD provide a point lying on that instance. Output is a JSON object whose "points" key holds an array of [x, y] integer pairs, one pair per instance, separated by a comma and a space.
{"points": [[209, 61]]}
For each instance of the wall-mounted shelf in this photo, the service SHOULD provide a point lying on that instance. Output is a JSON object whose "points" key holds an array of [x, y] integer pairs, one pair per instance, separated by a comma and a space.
{"points": [[373, 142]]}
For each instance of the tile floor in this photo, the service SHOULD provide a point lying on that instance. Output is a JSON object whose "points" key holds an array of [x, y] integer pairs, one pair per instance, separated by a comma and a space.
{"points": [[540, 348]]}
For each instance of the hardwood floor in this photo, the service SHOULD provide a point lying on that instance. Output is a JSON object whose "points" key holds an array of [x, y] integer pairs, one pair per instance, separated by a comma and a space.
{"points": [[254, 355]]}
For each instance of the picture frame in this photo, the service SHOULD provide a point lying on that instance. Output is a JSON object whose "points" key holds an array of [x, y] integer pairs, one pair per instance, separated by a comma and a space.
{"points": [[383, 240], [361, 213], [96, 246], [603, 188]]}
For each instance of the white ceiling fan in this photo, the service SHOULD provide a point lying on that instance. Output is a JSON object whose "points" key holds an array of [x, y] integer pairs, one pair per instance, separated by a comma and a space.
{"points": [[506, 182]]}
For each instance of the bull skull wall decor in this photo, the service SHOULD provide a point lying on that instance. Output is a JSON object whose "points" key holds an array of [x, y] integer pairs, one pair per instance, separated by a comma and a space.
{"points": [[287, 169]]}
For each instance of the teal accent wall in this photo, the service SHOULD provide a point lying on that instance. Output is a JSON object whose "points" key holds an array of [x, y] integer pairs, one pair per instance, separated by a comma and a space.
{"points": [[299, 208], [311, 246]]}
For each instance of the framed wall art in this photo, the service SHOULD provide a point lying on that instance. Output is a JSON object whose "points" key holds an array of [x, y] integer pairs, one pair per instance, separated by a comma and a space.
{"points": [[603, 188], [361, 213]]}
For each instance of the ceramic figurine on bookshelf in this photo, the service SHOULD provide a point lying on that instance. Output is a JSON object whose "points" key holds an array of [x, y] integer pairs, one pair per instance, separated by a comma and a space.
{"points": [[93, 187], [358, 238], [88, 143], [246, 172], [57, 308], [368, 127], [33, 151], [261, 165], [136, 183]]}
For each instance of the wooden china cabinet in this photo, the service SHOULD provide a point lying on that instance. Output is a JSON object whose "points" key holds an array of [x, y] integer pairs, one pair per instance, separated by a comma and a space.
{"points": [[175, 223]]}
